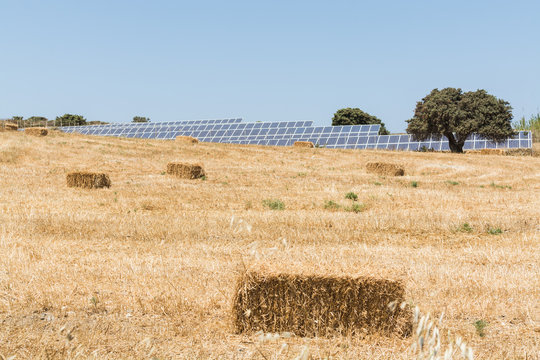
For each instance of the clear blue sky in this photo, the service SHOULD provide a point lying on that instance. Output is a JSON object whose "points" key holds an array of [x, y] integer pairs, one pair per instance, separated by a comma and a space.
{"points": [[261, 60]]}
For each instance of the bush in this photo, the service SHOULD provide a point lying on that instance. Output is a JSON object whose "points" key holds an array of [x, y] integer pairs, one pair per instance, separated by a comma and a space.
{"points": [[274, 204], [331, 205], [355, 116], [351, 196]]}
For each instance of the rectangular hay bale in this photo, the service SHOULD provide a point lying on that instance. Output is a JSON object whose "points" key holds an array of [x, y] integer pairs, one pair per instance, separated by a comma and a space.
{"points": [[88, 180], [187, 139], [305, 144], [10, 126], [36, 131], [319, 306], [186, 171], [382, 168]]}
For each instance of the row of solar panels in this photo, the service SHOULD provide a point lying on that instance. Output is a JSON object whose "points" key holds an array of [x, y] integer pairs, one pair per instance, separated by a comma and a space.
{"points": [[149, 125], [286, 133], [119, 130]]}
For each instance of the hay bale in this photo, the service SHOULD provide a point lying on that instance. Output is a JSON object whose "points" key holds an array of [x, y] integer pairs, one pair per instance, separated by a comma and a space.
{"points": [[10, 126], [319, 306], [382, 168], [187, 139], [88, 180], [36, 131], [186, 171], [305, 144]]}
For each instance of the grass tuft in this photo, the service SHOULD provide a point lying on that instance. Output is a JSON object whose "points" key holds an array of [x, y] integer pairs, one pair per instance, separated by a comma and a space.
{"points": [[274, 204]]}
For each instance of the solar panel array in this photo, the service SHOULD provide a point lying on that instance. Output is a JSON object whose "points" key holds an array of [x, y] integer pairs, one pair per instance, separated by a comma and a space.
{"points": [[285, 133]]}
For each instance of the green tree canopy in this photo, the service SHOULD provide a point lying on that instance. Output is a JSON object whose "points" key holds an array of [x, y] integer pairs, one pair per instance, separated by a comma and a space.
{"points": [[70, 120], [456, 115], [140, 119], [355, 116]]}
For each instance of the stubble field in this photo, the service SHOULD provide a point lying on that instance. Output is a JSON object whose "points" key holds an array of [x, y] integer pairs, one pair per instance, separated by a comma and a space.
{"points": [[148, 268]]}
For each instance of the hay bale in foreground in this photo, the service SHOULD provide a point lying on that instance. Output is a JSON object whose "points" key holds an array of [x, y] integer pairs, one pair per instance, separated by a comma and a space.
{"points": [[187, 139], [319, 306], [88, 180], [10, 126], [382, 168], [305, 144], [186, 171], [36, 131]]}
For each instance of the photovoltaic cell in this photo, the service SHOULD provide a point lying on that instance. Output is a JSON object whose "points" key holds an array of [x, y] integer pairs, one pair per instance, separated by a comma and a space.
{"points": [[286, 133]]}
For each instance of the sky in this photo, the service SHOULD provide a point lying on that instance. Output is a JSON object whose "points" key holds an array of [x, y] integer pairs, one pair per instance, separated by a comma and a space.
{"points": [[262, 60]]}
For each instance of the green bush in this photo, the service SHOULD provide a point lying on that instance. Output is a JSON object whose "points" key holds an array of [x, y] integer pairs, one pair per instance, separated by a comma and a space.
{"points": [[274, 204], [351, 196], [331, 205]]}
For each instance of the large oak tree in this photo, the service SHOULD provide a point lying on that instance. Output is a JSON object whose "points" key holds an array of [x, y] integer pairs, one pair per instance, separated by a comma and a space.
{"points": [[457, 115]]}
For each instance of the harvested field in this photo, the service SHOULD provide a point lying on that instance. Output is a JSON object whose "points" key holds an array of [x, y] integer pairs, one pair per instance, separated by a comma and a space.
{"points": [[36, 131], [186, 171], [305, 144], [187, 139], [150, 267], [385, 169], [88, 180], [319, 305]]}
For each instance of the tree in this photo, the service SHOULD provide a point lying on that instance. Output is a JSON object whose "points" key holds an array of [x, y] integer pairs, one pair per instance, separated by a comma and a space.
{"points": [[140, 119], [70, 120], [355, 116], [35, 121], [457, 115]]}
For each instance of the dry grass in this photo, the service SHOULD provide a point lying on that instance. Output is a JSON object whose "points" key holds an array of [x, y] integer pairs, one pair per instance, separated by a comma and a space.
{"points": [[149, 269], [187, 139], [36, 131], [385, 169], [305, 144]]}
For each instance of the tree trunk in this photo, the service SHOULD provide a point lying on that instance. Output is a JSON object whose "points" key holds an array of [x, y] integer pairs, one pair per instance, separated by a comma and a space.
{"points": [[455, 146]]}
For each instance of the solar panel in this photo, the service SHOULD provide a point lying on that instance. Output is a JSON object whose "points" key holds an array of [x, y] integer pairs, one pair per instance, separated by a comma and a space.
{"points": [[285, 133]]}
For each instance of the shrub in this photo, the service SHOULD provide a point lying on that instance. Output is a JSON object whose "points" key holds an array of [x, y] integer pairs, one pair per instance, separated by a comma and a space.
{"points": [[465, 228], [356, 208], [331, 205], [480, 327], [274, 204], [351, 196], [494, 231], [355, 116]]}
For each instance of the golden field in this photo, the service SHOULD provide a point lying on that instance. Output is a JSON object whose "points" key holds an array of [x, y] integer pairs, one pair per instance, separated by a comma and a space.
{"points": [[147, 268]]}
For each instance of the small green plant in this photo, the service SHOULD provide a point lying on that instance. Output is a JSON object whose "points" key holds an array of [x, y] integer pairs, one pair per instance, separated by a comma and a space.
{"points": [[480, 327], [450, 182], [203, 177], [274, 204], [302, 174], [377, 183], [351, 196], [494, 231], [414, 184], [493, 185], [331, 205], [465, 228], [163, 173], [356, 208]]}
